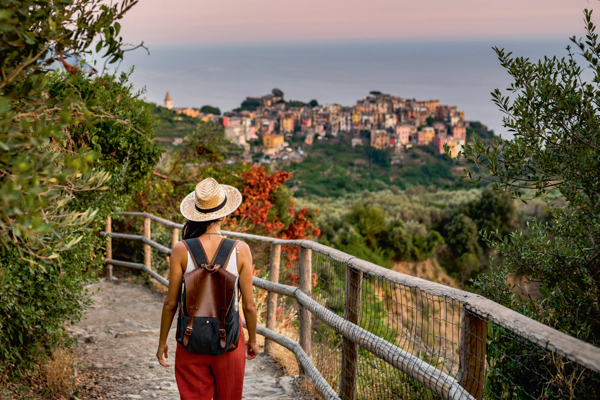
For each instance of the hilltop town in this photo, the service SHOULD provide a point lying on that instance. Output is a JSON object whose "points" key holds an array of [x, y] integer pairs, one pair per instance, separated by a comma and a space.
{"points": [[269, 124]]}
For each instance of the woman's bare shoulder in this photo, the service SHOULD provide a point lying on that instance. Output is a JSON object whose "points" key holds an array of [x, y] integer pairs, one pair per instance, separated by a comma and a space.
{"points": [[245, 256], [243, 247], [179, 249]]}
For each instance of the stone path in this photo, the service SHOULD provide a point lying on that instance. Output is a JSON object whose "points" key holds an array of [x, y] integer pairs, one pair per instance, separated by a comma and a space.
{"points": [[117, 351]]}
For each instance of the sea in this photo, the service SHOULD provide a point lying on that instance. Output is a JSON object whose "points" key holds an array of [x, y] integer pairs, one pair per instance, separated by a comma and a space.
{"points": [[456, 72]]}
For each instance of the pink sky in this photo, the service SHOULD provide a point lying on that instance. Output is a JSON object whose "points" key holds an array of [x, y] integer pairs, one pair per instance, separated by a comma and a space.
{"points": [[241, 21]]}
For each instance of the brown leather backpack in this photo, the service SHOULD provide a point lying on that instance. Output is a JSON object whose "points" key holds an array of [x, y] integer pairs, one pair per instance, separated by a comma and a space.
{"points": [[209, 322]]}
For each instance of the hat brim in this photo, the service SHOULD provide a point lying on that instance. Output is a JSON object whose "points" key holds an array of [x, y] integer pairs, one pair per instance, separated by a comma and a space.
{"points": [[188, 207]]}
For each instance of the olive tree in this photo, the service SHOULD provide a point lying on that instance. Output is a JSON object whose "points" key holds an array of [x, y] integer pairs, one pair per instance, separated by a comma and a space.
{"points": [[552, 110]]}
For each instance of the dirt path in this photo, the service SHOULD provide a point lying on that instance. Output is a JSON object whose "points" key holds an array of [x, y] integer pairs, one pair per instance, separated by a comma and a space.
{"points": [[117, 350]]}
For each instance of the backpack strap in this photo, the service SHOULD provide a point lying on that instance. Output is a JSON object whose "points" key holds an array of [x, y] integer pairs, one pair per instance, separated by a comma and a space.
{"points": [[222, 259], [224, 252], [197, 251], [199, 255]]}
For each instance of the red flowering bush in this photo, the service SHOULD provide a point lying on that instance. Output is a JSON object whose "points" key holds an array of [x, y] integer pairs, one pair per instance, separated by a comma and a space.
{"points": [[269, 208]]}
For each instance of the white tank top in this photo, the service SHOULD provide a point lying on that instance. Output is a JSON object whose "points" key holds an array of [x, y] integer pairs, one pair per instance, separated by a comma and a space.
{"points": [[231, 267]]}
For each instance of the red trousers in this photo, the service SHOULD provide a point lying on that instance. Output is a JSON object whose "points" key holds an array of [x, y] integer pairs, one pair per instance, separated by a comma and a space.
{"points": [[203, 377]]}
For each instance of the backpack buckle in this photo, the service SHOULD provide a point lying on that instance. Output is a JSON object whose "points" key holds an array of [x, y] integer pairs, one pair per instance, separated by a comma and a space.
{"points": [[222, 333]]}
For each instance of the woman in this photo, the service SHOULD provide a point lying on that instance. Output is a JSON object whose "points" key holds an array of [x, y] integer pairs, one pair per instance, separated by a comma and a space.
{"points": [[199, 376]]}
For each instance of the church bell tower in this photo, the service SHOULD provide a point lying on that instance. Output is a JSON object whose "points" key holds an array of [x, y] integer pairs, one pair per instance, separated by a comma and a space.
{"points": [[168, 101]]}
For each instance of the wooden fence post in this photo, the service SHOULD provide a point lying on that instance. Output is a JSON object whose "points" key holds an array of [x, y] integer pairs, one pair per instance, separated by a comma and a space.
{"points": [[109, 247], [349, 348], [174, 240], [471, 367], [306, 286], [174, 236], [147, 248], [272, 297]]}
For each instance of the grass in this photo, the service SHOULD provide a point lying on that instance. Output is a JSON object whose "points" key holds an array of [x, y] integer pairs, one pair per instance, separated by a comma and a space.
{"points": [[59, 372], [55, 379]]}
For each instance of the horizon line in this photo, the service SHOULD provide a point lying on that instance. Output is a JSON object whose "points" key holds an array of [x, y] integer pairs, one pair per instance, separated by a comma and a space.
{"points": [[390, 40]]}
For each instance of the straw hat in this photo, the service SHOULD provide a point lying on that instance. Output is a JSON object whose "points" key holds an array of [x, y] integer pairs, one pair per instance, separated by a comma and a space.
{"points": [[210, 201]]}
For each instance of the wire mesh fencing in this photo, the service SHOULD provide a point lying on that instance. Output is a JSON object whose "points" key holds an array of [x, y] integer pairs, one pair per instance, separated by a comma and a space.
{"points": [[437, 341], [423, 325], [520, 369], [487, 359]]}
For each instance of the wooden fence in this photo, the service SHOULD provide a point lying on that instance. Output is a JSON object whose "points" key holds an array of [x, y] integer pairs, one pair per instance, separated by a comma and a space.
{"points": [[467, 381]]}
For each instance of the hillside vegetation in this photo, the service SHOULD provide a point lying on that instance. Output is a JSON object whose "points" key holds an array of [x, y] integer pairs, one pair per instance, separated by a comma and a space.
{"points": [[172, 124], [416, 224], [333, 168]]}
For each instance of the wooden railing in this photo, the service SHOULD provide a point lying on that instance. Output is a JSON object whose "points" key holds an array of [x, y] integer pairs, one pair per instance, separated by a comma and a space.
{"points": [[477, 311]]}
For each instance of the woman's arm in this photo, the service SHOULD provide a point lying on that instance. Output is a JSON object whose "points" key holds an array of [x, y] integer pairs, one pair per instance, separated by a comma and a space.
{"points": [[178, 262], [248, 299]]}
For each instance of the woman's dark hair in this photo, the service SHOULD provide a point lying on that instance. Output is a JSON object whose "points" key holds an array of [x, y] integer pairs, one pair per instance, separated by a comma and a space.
{"points": [[193, 229]]}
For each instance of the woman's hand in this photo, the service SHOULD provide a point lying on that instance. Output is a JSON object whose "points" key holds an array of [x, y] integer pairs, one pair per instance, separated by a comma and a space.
{"points": [[163, 350], [252, 350]]}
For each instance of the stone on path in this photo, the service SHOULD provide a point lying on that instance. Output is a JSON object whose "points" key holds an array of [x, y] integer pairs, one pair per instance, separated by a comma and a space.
{"points": [[118, 342]]}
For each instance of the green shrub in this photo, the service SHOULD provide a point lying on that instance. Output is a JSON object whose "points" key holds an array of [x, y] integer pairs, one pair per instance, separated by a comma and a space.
{"points": [[74, 148], [210, 110], [553, 115]]}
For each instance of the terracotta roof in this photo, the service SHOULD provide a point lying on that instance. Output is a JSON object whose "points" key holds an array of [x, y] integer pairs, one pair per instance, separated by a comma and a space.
{"points": [[168, 97]]}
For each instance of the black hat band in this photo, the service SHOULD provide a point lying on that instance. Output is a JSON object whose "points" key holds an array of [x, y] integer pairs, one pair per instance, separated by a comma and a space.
{"points": [[217, 208]]}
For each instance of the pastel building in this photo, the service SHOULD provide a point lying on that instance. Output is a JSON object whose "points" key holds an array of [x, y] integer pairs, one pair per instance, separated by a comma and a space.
{"points": [[346, 120], [205, 117], [366, 119], [252, 133], [306, 122], [320, 130], [431, 105], [459, 132], [404, 131], [438, 143], [390, 121], [267, 127], [286, 123], [440, 128], [455, 147], [379, 138], [246, 124], [356, 113], [272, 144], [236, 135], [324, 117], [190, 112], [425, 136]]}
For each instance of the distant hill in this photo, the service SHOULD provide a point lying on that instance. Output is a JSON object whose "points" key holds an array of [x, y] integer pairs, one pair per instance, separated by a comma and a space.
{"points": [[173, 125], [333, 168]]}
